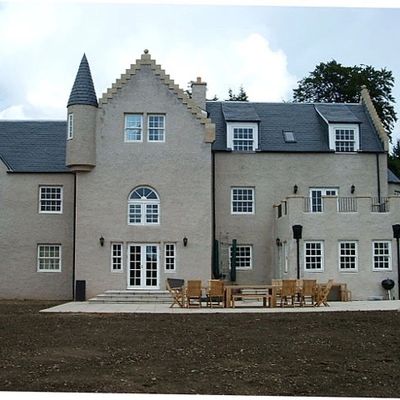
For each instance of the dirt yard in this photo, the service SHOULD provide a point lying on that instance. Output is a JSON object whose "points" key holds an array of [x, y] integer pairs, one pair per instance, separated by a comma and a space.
{"points": [[316, 354]]}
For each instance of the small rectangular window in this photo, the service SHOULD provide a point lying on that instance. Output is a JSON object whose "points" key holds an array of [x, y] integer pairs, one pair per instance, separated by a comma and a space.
{"points": [[242, 200], [288, 136], [345, 140], [156, 128], [348, 258], [382, 255], [243, 139], [170, 257], [314, 256], [116, 257], [244, 259], [49, 258], [70, 129], [133, 127], [50, 199]]}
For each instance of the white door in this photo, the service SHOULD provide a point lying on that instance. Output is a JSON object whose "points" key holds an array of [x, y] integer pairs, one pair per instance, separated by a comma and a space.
{"points": [[143, 262], [316, 198]]}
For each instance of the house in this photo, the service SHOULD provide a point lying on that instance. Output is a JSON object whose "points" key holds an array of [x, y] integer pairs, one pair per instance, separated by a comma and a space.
{"points": [[146, 183]]}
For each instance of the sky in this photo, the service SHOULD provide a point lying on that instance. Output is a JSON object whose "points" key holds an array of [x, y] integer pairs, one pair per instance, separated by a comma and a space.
{"points": [[266, 49]]}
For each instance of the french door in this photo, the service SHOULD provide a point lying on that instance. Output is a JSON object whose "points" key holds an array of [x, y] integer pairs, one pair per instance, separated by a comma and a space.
{"points": [[316, 198], [143, 266]]}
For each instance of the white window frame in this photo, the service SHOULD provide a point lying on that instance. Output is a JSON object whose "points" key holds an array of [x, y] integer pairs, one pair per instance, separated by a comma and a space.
{"points": [[332, 136], [253, 202], [250, 246], [42, 200], [173, 258], [143, 203], [340, 255], [120, 257], [126, 128], [158, 129], [230, 129], [70, 127], [323, 190], [310, 270], [59, 269], [389, 243]]}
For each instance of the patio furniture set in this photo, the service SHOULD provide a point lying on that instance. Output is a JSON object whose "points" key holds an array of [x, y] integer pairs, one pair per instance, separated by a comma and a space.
{"points": [[282, 292]]}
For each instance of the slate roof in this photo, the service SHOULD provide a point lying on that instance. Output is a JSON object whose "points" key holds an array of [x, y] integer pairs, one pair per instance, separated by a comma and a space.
{"points": [[392, 178], [310, 130], [83, 89], [33, 146]]}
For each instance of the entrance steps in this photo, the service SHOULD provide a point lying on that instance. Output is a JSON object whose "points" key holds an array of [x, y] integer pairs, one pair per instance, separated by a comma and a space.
{"points": [[132, 296]]}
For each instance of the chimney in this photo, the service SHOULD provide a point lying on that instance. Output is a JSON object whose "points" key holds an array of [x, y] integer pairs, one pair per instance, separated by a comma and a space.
{"points": [[199, 89]]}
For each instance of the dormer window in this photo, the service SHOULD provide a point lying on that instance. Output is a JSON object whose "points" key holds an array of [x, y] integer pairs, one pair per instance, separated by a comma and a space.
{"points": [[242, 136], [344, 138]]}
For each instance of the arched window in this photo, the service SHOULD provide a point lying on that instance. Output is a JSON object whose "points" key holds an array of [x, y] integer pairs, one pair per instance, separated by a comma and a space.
{"points": [[143, 207]]}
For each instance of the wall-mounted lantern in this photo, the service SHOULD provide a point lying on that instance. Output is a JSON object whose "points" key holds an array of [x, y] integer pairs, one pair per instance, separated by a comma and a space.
{"points": [[295, 189], [278, 242], [101, 240], [352, 189], [185, 241]]}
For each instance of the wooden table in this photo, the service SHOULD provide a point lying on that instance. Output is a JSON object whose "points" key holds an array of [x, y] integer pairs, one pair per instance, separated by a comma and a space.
{"points": [[271, 290]]}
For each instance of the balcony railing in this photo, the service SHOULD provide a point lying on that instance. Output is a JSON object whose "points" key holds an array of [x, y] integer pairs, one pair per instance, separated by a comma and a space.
{"points": [[345, 204]]}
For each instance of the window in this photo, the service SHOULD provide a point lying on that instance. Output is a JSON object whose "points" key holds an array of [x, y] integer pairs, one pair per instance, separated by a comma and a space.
{"points": [[116, 257], [242, 136], [348, 257], [143, 207], [313, 256], [242, 200], [133, 127], [50, 199], [70, 129], [49, 258], [170, 256], [316, 198], [244, 259], [382, 254], [344, 138], [288, 136], [156, 128]]}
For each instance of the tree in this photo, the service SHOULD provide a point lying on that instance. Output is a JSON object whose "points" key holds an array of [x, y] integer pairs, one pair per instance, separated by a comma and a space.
{"points": [[333, 82], [394, 159], [241, 96]]}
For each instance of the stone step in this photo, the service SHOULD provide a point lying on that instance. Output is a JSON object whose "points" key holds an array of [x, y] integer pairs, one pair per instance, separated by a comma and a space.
{"points": [[130, 296], [130, 300]]}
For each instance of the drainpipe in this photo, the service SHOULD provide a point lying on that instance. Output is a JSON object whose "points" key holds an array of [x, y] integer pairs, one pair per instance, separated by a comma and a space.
{"points": [[74, 241], [378, 178], [214, 258]]}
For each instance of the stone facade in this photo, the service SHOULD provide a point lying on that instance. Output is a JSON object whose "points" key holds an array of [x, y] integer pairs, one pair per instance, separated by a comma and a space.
{"points": [[193, 185]]}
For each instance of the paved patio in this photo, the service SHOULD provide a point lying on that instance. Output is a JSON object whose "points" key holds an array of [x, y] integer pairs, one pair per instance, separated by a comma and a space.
{"points": [[248, 307]]}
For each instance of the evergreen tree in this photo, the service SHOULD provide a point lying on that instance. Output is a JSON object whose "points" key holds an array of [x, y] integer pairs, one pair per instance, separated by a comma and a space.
{"points": [[333, 82], [241, 96]]}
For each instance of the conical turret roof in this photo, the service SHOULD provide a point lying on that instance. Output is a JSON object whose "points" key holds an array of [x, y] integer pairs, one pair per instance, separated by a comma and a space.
{"points": [[83, 90]]}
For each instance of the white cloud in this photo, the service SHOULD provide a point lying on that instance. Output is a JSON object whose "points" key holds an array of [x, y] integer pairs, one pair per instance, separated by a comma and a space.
{"points": [[13, 112]]}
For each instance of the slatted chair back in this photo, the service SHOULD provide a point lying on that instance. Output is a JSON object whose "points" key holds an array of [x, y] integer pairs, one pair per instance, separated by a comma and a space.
{"points": [[215, 293], [309, 286], [175, 288], [193, 292], [288, 287], [322, 297]]}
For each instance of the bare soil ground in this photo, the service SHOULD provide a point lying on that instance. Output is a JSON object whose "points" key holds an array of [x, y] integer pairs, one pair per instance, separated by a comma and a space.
{"points": [[314, 354]]}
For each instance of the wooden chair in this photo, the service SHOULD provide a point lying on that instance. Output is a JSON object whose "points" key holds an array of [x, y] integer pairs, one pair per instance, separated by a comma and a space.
{"points": [[215, 292], [288, 291], [277, 284], [308, 291], [193, 293], [322, 294], [175, 287]]}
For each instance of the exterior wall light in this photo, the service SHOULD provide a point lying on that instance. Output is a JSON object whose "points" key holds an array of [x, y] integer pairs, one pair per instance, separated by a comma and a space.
{"points": [[295, 189], [185, 241], [101, 240], [352, 189], [278, 242]]}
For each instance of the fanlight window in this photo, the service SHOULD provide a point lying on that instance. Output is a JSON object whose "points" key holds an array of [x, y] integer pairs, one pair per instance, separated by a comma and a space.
{"points": [[143, 207]]}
